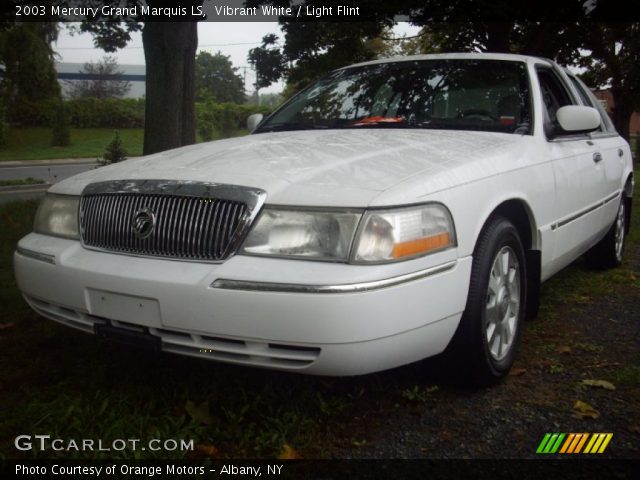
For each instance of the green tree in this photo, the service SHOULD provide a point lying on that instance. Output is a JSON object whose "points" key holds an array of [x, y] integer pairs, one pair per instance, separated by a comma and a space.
{"points": [[611, 59], [27, 69], [217, 79], [114, 152], [312, 49], [105, 81]]}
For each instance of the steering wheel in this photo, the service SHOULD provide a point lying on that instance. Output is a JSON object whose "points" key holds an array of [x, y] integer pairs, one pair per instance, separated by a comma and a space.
{"points": [[478, 114]]}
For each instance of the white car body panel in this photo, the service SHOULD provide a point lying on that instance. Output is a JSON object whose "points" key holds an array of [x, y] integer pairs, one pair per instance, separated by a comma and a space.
{"points": [[570, 201]]}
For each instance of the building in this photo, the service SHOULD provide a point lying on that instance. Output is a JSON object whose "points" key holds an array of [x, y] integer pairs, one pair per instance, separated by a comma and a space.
{"points": [[135, 74], [606, 99]]}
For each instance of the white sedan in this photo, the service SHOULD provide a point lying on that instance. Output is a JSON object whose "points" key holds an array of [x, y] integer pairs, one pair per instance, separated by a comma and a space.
{"points": [[392, 211]]}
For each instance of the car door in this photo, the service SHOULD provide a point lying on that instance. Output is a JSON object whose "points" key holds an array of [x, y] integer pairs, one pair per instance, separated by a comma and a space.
{"points": [[579, 177], [611, 149]]}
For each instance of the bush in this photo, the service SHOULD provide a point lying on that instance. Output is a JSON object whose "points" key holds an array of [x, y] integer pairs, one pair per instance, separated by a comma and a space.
{"points": [[3, 126], [61, 133], [107, 113], [223, 118], [114, 152], [83, 113]]}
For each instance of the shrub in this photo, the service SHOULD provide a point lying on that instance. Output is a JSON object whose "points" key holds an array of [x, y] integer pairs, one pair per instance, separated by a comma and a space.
{"points": [[114, 151], [223, 118], [82, 112], [61, 133], [3, 126]]}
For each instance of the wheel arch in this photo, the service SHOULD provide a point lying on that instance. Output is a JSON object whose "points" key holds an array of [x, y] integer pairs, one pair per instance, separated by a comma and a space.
{"points": [[628, 198], [518, 212]]}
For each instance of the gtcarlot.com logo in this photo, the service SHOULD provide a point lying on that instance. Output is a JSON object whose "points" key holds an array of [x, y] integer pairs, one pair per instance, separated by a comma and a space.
{"points": [[572, 443]]}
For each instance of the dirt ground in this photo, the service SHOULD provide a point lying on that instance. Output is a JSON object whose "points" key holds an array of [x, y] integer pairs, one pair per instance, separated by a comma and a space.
{"points": [[591, 335]]}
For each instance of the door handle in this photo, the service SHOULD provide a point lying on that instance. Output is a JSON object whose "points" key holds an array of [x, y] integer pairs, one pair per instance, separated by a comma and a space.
{"points": [[597, 157]]}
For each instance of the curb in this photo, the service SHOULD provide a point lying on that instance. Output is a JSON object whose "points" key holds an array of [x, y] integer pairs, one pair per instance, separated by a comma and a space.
{"points": [[39, 163], [19, 188]]}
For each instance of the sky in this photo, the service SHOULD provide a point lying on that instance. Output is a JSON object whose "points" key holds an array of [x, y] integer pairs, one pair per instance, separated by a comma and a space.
{"points": [[234, 39]]}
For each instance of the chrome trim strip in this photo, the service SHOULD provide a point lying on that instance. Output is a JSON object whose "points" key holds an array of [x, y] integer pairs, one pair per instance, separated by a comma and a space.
{"points": [[611, 197], [43, 257], [227, 284], [586, 211]]}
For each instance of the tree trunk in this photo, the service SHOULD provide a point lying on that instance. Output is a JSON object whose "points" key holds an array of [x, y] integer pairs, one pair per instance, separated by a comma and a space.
{"points": [[169, 50], [622, 112]]}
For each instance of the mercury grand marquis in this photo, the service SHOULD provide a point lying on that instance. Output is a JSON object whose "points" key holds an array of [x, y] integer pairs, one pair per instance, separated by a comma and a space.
{"points": [[395, 210]]}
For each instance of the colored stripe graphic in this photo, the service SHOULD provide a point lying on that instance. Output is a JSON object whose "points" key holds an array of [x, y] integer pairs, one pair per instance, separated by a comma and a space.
{"points": [[572, 443], [598, 442]]}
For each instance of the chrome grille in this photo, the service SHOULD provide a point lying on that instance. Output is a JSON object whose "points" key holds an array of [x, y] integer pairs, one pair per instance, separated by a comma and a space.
{"points": [[186, 220]]}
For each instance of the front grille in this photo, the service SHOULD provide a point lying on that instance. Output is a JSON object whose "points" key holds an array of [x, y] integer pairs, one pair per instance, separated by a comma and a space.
{"points": [[192, 221]]}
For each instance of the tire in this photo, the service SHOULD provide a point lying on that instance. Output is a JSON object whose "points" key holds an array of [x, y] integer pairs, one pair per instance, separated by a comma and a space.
{"points": [[485, 344], [608, 253]]}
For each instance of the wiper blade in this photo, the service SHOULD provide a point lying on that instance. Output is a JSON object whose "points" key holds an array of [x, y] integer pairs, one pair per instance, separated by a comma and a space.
{"points": [[288, 126]]}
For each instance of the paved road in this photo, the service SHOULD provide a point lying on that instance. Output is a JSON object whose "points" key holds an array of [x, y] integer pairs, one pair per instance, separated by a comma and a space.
{"points": [[49, 171]]}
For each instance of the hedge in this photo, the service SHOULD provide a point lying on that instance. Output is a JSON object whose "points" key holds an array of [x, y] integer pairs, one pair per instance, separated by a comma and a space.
{"points": [[224, 118], [211, 117], [83, 113]]}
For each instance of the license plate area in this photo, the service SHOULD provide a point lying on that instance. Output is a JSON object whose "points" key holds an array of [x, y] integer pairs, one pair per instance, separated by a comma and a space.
{"points": [[124, 308], [129, 337]]}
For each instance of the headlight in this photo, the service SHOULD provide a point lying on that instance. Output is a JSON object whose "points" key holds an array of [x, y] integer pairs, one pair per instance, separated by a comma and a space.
{"points": [[391, 235], [58, 216], [303, 234]]}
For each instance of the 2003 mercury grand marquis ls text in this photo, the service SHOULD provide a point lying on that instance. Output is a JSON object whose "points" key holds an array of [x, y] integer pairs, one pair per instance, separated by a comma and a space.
{"points": [[392, 211]]}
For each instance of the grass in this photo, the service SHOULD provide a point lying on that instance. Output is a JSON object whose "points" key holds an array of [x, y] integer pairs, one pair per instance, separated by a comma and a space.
{"points": [[34, 143], [70, 385], [21, 181]]}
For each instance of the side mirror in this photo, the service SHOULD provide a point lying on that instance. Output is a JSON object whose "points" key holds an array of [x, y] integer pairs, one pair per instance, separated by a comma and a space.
{"points": [[578, 118], [253, 121]]}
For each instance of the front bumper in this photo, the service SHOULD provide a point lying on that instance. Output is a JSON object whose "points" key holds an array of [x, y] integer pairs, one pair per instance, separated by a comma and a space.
{"points": [[274, 313]]}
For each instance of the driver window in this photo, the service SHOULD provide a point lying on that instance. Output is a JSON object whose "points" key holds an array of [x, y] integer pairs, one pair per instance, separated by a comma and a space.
{"points": [[554, 94]]}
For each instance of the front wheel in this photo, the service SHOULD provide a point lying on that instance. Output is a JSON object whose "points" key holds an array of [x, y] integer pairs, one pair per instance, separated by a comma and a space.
{"points": [[485, 344]]}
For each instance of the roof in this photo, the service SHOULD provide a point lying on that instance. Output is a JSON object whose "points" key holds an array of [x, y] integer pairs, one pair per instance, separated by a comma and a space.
{"points": [[474, 55]]}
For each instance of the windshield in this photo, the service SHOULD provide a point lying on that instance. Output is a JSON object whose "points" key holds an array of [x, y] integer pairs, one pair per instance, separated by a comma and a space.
{"points": [[486, 95]]}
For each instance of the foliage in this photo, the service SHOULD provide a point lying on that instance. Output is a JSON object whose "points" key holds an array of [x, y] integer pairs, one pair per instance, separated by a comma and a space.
{"points": [[114, 152], [84, 113], [61, 132], [314, 48], [268, 62], [224, 117], [271, 100], [105, 81], [3, 126], [21, 181], [27, 71], [217, 79], [610, 55]]}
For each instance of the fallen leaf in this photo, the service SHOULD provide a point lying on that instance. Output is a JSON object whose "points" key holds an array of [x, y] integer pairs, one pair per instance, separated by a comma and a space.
{"points": [[563, 349], [598, 384], [584, 410], [516, 372], [634, 428], [207, 450], [199, 413], [288, 453], [7, 326]]}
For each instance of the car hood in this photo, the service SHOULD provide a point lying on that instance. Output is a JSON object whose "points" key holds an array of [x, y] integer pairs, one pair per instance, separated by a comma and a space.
{"points": [[319, 167]]}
